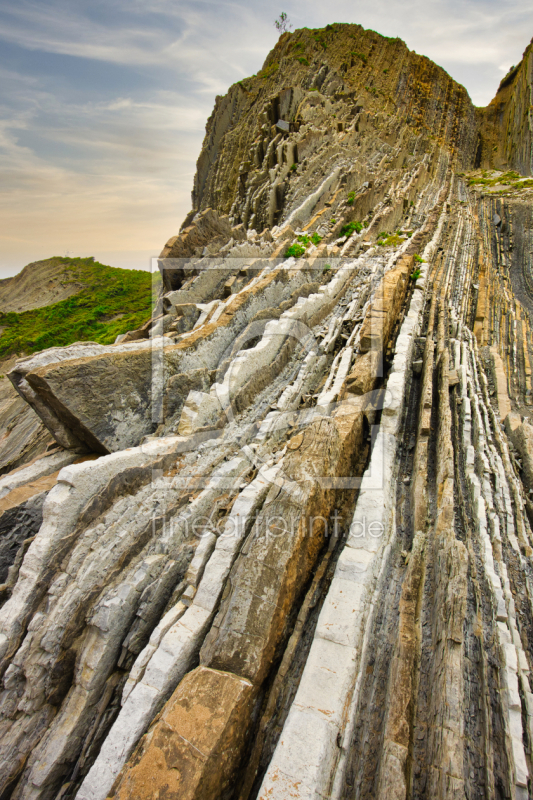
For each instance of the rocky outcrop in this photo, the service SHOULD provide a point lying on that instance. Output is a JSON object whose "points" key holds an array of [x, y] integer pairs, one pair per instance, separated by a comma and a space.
{"points": [[295, 560], [506, 135]]}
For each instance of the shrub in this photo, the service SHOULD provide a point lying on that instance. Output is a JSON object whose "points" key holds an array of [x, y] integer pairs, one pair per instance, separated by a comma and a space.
{"points": [[304, 239], [282, 23], [295, 250], [315, 238], [350, 227]]}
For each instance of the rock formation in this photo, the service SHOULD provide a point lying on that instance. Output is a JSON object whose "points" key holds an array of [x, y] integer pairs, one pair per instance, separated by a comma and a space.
{"points": [[284, 549]]}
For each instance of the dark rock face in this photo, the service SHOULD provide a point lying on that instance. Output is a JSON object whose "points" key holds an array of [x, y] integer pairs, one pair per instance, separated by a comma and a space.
{"points": [[298, 563], [18, 524]]}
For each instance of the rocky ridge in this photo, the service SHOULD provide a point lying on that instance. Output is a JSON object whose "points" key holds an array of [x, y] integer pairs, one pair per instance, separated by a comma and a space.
{"points": [[284, 548]]}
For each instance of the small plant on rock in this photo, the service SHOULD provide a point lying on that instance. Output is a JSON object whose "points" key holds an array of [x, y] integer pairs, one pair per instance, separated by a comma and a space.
{"points": [[415, 274], [327, 268], [295, 250], [350, 199], [282, 23], [315, 238], [351, 227], [294, 167], [419, 259]]}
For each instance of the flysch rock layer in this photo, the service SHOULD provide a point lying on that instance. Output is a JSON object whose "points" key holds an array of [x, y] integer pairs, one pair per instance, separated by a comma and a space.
{"points": [[284, 546]]}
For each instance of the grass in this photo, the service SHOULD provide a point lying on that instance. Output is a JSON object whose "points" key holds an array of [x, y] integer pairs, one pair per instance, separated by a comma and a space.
{"points": [[319, 40], [268, 71], [87, 315], [509, 178], [389, 240]]}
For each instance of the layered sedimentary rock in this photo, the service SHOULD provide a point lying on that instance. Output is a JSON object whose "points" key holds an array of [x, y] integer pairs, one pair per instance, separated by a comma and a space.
{"points": [[289, 551]]}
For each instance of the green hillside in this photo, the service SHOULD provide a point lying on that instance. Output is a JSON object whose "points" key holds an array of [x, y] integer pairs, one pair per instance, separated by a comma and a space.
{"points": [[111, 301]]}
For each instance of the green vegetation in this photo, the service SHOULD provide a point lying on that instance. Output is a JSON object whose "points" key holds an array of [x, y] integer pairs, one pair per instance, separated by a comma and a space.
{"points": [[268, 71], [304, 240], [294, 167], [510, 178], [91, 314], [319, 40], [350, 199], [362, 56], [333, 220], [295, 250], [351, 227], [282, 23], [303, 61], [419, 259], [415, 274], [389, 240], [327, 268]]}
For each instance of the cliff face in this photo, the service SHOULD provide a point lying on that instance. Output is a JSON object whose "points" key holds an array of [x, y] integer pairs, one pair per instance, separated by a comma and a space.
{"points": [[506, 138], [294, 557], [244, 168]]}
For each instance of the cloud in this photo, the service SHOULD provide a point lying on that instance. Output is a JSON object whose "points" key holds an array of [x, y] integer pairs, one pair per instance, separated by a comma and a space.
{"points": [[103, 105]]}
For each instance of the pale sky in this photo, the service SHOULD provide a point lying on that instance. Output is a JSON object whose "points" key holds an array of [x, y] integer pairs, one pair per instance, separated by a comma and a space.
{"points": [[103, 105]]}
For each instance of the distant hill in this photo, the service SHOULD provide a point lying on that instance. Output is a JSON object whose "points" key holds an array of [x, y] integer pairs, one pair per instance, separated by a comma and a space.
{"points": [[38, 284], [62, 300]]}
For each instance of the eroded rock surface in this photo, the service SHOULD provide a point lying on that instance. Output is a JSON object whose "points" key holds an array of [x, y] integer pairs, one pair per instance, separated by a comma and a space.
{"points": [[296, 558]]}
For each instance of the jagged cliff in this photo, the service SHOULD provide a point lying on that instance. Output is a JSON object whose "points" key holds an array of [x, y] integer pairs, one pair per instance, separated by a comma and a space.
{"points": [[285, 548]]}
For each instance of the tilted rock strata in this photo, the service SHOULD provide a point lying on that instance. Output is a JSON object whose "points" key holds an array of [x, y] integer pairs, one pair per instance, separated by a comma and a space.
{"points": [[298, 560]]}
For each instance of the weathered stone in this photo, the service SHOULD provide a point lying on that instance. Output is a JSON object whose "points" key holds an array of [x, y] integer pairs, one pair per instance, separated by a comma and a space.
{"points": [[196, 744]]}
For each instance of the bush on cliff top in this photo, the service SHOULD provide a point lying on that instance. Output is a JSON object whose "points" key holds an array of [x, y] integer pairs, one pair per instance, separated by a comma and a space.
{"points": [[89, 315]]}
